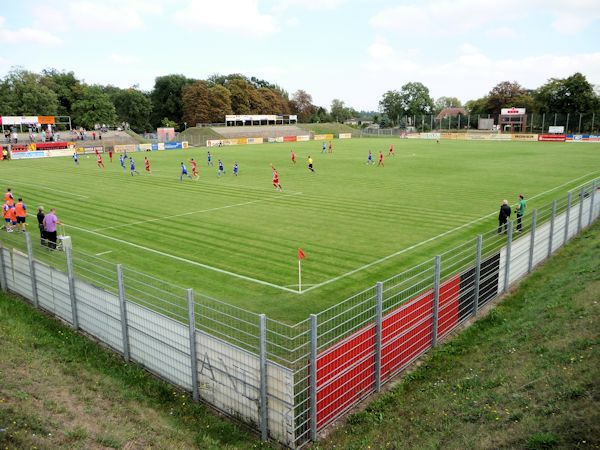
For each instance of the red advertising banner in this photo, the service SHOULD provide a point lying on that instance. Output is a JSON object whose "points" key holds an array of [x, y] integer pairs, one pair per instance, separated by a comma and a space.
{"points": [[552, 137], [52, 145], [289, 139]]}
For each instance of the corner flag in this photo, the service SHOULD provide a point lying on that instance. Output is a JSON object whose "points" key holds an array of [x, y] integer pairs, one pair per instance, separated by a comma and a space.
{"points": [[300, 254]]}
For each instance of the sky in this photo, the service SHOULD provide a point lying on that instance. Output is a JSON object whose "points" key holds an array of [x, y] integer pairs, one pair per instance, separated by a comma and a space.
{"points": [[351, 50]]}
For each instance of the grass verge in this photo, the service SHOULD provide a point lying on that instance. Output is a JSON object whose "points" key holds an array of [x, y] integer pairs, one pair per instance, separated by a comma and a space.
{"points": [[525, 376], [58, 389]]}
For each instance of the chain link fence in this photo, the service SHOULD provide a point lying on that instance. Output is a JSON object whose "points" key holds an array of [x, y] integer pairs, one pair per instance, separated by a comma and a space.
{"points": [[288, 381]]}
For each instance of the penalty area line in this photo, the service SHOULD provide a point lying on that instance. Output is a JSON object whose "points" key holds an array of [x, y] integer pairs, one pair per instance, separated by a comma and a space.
{"points": [[188, 261]]}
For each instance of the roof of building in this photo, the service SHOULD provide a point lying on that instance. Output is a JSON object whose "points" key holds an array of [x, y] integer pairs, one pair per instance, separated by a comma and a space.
{"points": [[451, 112]]}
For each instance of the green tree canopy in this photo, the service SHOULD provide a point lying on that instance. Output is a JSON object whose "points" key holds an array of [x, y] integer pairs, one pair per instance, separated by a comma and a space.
{"points": [[22, 93], [133, 106], [167, 98], [94, 107], [573, 94]]}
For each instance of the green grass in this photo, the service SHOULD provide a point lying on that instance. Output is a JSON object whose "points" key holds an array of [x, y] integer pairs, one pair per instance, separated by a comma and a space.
{"points": [[523, 377], [139, 139], [59, 389], [328, 128], [199, 135], [344, 216]]}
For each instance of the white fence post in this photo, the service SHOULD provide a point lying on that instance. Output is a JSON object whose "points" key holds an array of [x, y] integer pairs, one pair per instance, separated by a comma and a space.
{"points": [[532, 240], [568, 216], [264, 413], [3, 270], [580, 216], [477, 274], [34, 293], [436, 300], [123, 308], [71, 277], [508, 255], [552, 220], [193, 358], [313, 377], [592, 199], [378, 332]]}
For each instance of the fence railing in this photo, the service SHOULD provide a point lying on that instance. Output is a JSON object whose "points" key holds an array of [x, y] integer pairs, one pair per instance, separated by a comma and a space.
{"points": [[290, 381], [535, 123]]}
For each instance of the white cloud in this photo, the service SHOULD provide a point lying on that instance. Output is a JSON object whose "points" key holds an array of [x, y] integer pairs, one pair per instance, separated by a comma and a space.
{"points": [[101, 16], [26, 35], [501, 33], [439, 17], [311, 5], [234, 16], [123, 59]]}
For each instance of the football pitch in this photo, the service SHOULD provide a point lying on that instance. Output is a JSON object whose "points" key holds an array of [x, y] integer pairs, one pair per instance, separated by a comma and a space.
{"points": [[236, 238]]}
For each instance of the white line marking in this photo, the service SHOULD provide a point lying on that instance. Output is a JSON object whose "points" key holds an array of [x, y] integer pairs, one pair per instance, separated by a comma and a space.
{"points": [[104, 253], [197, 212], [412, 247], [45, 188], [188, 261]]}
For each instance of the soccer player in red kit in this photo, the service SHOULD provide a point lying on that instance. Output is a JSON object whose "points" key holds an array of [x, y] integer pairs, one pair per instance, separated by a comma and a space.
{"points": [[100, 163], [194, 168], [110, 155], [276, 179], [380, 163], [147, 164], [391, 152], [293, 156]]}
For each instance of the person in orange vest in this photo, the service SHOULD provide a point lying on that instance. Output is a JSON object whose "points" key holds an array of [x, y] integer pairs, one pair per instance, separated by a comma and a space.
{"points": [[12, 215], [5, 209], [8, 198], [21, 213]]}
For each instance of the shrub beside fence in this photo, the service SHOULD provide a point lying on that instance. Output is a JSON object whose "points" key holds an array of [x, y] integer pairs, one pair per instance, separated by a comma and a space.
{"points": [[288, 381]]}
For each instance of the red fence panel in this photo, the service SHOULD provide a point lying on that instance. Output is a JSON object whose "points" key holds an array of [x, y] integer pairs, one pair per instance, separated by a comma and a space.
{"points": [[289, 139], [345, 374]]}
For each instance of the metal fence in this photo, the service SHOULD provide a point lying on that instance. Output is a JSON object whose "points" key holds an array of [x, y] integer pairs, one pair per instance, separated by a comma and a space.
{"points": [[288, 381], [536, 123]]}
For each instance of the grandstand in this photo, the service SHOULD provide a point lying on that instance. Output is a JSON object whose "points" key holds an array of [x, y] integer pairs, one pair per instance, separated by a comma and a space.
{"points": [[260, 131]]}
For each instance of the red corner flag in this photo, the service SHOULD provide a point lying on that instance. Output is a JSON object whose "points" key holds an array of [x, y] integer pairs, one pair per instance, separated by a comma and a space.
{"points": [[300, 254]]}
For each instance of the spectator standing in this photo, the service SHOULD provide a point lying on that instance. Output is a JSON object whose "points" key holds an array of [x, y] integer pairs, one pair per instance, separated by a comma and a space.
{"points": [[520, 210], [503, 216], [50, 223], [40, 219]]}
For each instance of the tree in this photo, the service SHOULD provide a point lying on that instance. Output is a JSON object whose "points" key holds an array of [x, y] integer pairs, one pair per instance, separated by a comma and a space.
{"points": [[573, 94], [134, 107], [272, 102], [415, 99], [504, 95], [241, 93], [478, 106], [320, 115], [167, 98], [220, 103], [22, 94], [196, 103], [94, 107], [339, 112], [302, 105], [391, 105], [65, 85], [446, 102]]}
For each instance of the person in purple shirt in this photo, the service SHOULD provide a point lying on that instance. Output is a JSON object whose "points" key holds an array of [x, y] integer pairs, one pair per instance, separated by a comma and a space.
{"points": [[50, 223]]}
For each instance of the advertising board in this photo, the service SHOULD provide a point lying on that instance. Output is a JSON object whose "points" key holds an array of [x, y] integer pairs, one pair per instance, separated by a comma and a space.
{"points": [[552, 138]]}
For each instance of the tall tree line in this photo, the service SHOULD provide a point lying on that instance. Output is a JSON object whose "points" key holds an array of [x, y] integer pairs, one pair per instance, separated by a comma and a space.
{"points": [[177, 100]]}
